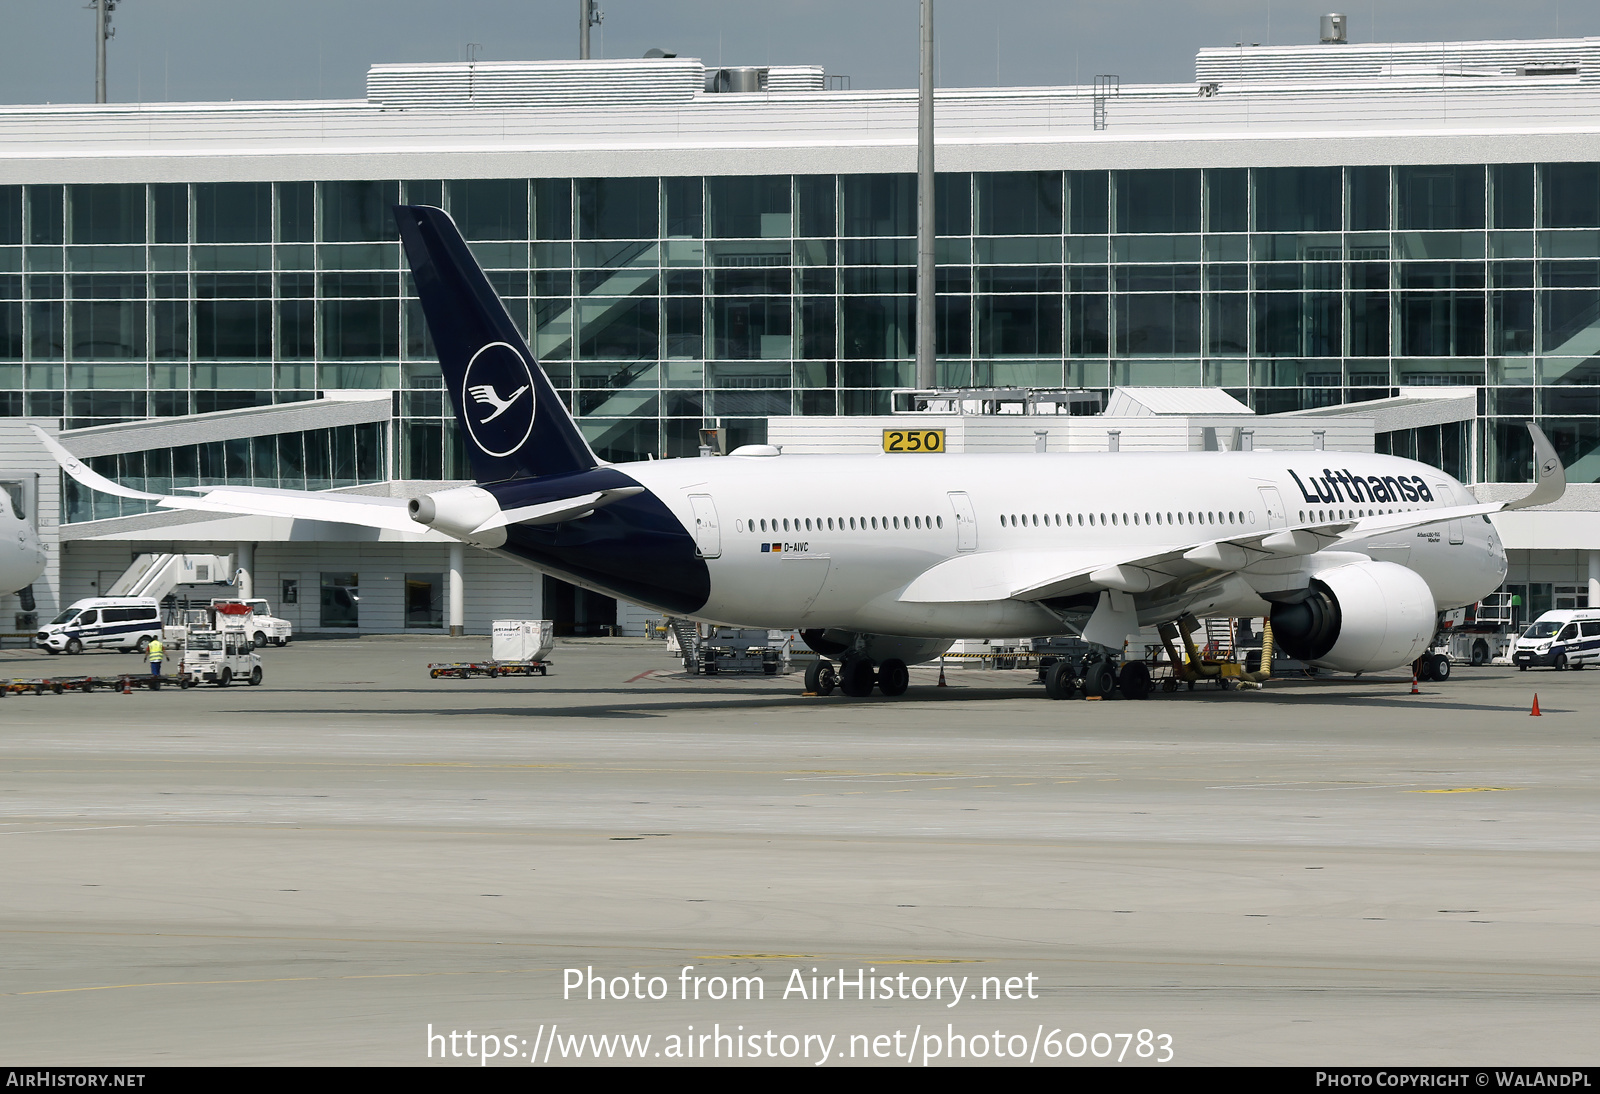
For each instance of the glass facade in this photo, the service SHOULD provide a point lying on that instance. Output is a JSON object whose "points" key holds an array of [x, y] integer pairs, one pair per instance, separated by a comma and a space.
{"points": [[661, 305]]}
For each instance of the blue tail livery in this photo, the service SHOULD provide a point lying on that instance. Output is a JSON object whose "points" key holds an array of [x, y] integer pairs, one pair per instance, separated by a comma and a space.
{"points": [[513, 422]]}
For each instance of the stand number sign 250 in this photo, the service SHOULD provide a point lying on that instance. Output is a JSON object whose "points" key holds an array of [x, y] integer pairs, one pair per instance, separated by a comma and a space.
{"points": [[913, 440]]}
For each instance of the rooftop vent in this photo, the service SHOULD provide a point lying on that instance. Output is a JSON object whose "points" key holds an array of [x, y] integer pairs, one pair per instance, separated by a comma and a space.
{"points": [[1335, 29]]}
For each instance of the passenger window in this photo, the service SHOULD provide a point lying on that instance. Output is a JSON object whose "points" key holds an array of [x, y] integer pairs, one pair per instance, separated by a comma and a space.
{"points": [[1569, 632], [1591, 630], [89, 618]]}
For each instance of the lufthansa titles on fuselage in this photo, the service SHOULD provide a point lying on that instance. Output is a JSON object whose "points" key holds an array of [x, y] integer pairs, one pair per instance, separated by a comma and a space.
{"points": [[1345, 486]]}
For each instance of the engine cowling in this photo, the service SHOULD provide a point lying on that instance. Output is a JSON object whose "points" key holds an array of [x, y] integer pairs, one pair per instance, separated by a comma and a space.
{"points": [[458, 513], [834, 642], [1364, 617]]}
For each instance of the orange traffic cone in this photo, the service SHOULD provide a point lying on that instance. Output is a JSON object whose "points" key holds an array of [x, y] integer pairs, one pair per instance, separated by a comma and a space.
{"points": [[941, 674], [127, 686], [1414, 690], [1534, 713]]}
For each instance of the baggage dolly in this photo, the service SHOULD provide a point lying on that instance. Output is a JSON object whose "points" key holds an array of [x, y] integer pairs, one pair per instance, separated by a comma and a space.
{"points": [[461, 670]]}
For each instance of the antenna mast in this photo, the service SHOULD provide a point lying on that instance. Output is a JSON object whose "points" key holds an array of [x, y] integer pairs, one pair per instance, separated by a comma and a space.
{"points": [[927, 359], [103, 32], [589, 15]]}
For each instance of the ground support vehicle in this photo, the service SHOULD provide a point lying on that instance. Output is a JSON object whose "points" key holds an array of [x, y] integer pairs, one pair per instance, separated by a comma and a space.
{"points": [[1480, 634], [1561, 639], [258, 622], [126, 623], [725, 649], [221, 657], [1223, 668], [461, 670]]}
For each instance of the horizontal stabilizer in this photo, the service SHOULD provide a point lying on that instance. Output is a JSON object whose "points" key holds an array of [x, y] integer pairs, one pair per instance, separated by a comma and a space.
{"points": [[554, 512], [359, 509]]}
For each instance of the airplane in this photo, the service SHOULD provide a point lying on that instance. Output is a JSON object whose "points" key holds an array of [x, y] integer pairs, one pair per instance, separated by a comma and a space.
{"points": [[882, 563], [21, 553]]}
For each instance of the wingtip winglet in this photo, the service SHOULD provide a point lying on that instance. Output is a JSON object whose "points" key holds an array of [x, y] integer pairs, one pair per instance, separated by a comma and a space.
{"points": [[1549, 476]]}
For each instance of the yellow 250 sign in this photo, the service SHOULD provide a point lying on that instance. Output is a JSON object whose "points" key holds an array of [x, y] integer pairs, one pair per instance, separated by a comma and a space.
{"points": [[913, 440]]}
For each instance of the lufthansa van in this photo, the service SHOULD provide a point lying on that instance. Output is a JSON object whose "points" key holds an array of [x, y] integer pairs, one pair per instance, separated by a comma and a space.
{"points": [[127, 623], [1560, 639]]}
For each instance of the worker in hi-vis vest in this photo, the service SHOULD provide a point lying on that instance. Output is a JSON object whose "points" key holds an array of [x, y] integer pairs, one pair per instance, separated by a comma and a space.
{"points": [[157, 654]]}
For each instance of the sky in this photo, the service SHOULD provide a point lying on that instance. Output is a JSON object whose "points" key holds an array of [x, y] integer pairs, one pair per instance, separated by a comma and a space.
{"points": [[187, 50]]}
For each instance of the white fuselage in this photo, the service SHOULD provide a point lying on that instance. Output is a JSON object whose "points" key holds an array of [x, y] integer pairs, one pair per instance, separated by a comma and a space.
{"points": [[21, 554], [853, 532]]}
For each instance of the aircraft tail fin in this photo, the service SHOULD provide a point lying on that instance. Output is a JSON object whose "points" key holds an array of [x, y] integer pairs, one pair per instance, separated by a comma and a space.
{"points": [[513, 423]]}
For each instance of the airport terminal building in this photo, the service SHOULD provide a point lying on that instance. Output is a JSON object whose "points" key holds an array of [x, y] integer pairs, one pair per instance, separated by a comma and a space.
{"points": [[1397, 245]]}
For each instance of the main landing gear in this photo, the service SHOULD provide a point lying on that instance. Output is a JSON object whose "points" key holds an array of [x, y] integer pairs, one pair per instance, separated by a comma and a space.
{"points": [[1098, 677], [856, 676]]}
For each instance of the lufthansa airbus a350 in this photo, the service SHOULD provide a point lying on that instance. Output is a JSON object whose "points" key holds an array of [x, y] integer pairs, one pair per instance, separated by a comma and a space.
{"points": [[881, 563]]}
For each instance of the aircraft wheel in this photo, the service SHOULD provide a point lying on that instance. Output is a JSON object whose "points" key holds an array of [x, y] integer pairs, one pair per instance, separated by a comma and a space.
{"points": [[1061, 680], [821, 677], [1135, 680], [1441, 667], [1098, 680], [1561, 662], [893, 677], [255, 676], [74, 646], [856, 676], [1423, 668], [1480, 653]]}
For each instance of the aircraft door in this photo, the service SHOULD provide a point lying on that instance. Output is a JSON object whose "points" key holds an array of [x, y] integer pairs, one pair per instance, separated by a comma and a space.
{"points": [[966, 521], [1272, 502], [707, 535]]}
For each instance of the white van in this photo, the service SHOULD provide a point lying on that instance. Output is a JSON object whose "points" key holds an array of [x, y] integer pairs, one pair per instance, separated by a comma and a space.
{"points": [[126, 623], [1561, 639]]}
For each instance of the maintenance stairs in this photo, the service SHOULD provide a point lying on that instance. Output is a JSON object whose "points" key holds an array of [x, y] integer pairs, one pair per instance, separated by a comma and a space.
{"points": [[1219, 644], [156, 575], [688, 636]]}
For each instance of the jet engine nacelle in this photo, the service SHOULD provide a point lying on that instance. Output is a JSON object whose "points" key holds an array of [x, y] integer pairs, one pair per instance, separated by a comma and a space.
{"points": [[458, 513], [880, 647], [1363, 617]]}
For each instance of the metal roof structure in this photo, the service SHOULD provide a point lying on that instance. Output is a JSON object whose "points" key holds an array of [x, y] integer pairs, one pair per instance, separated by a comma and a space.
{"points": [[1288, 106]]}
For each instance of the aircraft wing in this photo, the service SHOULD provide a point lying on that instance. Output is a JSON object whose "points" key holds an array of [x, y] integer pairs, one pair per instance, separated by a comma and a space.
{"points": [[1035, 574]]}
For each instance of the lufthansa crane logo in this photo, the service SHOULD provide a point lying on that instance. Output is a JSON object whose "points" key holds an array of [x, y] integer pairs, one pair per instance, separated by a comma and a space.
{"points": [[498, 424]]}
